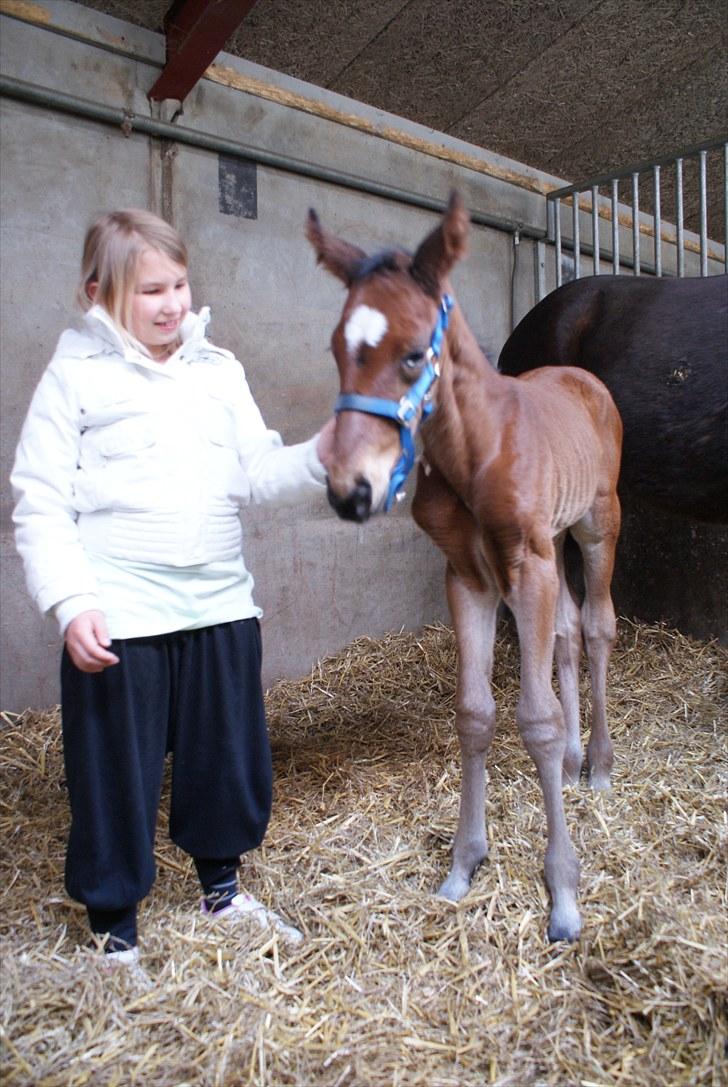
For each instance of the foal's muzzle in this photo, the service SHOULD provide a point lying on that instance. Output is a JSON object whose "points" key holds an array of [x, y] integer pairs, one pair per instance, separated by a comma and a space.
{"points": [[355, 506]]}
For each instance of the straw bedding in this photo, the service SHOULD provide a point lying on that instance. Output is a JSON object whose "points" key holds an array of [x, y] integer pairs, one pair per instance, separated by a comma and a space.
{"points": [[392, 985]]}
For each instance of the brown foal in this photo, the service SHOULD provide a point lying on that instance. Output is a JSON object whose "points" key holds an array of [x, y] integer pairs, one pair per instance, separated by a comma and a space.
{"points": [[510, 466]]}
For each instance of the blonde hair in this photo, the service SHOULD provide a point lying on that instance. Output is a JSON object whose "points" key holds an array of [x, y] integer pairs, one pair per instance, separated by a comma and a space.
{"points": [[111, 252]]}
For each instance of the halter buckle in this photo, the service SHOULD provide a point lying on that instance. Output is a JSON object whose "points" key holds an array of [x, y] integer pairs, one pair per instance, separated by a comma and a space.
{"points": [[405, 410]]}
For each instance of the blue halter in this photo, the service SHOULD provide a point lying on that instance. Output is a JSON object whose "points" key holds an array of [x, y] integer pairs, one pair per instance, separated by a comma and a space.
{"points": [[404, 411]]}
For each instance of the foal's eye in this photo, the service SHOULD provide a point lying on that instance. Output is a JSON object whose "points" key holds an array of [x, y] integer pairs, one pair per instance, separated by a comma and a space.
{"points": [[413, 362]]}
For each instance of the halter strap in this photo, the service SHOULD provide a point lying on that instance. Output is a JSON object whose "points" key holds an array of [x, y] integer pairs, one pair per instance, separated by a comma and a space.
{"points": [[404, 411]]}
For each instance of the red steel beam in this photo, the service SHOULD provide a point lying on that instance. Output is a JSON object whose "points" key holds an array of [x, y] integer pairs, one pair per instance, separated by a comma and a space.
{"points": [[196, 32]]}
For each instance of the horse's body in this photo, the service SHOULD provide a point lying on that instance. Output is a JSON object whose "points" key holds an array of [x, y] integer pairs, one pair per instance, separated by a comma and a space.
{"points": [[660, 347], [510, 465]]}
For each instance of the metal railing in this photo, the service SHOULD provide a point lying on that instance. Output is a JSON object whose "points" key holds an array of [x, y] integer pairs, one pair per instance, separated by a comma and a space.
{"points": [[586, 198]]}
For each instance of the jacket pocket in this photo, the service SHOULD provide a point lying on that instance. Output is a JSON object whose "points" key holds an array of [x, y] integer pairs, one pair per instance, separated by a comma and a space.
{"points": [[108, 412], [228, 480], [118, 467], [220, 423], [127, 437]]}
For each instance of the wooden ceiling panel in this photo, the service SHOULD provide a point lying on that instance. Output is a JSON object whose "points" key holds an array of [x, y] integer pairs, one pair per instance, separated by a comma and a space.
{"points": [[438, 62], [314, 40], [584, 86]]}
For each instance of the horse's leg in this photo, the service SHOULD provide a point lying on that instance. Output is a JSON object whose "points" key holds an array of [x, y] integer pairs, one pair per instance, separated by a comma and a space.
{"points": [[474, 612], [596, 535], [541, 724], [568, 652], [473, 599]]}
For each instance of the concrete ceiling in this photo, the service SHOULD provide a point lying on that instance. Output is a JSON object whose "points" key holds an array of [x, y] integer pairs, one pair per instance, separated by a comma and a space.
{"points": [[572, 87]]}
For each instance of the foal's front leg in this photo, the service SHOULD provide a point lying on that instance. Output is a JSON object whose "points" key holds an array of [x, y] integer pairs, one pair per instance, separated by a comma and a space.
{"points": [[541, 724], [474, 613]]}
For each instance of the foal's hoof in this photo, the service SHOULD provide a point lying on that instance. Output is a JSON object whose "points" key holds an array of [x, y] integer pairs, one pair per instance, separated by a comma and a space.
{"points": [[564, 926], [599, 781], [460, 876], [454, 888], [571, 770]]}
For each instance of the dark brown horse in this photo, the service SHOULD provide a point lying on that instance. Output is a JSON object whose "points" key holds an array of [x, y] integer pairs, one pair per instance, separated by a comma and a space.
{"points": [[661, 348], [511, 465]]}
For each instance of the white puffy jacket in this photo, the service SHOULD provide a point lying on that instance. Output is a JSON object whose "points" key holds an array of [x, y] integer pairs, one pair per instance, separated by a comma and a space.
{"points": [[142, 461]]}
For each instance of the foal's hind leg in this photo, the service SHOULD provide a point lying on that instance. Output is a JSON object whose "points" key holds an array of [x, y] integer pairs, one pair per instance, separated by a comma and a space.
{"points": [[597, 535], [567, 650], [474, 613]]}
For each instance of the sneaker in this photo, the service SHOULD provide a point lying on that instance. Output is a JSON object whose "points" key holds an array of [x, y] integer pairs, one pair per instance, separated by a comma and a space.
{"points": [[244, 905], [128, 960]]}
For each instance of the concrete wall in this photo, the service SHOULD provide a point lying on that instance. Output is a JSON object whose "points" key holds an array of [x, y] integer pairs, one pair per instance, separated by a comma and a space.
{"points": [[321, 582]]}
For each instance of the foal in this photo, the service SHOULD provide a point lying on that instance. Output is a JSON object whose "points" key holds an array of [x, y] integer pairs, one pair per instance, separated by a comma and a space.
{"points": [[510, 466]]}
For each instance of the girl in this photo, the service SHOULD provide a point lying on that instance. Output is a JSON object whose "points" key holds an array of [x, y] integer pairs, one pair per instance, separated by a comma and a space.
{"points": [[141, 446]]}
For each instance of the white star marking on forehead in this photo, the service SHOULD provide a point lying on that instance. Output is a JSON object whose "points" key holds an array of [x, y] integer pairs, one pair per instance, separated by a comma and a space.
{"points": [[366, 325]]}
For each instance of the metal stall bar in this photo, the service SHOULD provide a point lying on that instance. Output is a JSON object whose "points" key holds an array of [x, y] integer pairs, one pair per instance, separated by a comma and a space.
{"points": [[679, 217], [636, 260], [595, 228], [575, 230], [725, 202], [615, 226], [657, 219], [557, 229], [703, 183], [636, 223]]}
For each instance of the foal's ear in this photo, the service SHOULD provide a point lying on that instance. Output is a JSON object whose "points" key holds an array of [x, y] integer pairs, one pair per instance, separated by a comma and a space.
{"points": [[441, 249], [337, 256]]}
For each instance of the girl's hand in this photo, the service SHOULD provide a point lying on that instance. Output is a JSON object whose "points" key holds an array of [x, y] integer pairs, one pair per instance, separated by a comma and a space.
{"points": [[86, 640]]}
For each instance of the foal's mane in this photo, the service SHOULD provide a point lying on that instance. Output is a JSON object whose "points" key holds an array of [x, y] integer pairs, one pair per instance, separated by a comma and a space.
{"points": [[387, 260], [395, 260]]}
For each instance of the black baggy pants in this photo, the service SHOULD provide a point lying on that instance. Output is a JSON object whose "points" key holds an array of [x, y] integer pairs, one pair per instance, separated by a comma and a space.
{"points": [[196, 694]]}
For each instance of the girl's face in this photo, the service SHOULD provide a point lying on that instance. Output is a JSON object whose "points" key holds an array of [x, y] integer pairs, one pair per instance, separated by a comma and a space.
{"points": [[161, 301]]}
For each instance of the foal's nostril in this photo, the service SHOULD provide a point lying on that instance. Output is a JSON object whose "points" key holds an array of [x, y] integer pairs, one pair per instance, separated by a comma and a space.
{"points": [[355, 506], [362, 499]]}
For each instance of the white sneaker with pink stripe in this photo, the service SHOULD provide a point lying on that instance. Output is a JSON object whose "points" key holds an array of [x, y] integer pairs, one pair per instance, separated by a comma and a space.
{"points": [[243, 905]]}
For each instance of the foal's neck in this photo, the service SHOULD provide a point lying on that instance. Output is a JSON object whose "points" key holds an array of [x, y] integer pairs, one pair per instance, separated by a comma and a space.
{"points": [[468, 363], [466, 427], [471, 386]]}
